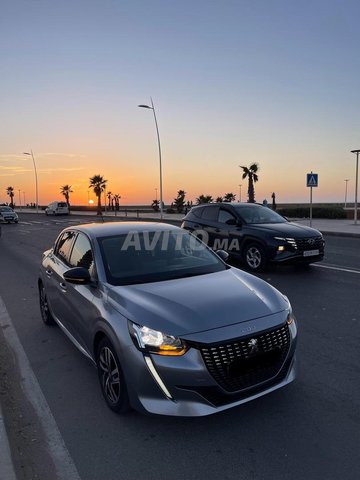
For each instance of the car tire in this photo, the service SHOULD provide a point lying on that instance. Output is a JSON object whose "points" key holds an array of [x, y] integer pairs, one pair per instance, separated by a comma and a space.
{"points": [[111, 377], [16, 221], [254, 257], [46, 316]]}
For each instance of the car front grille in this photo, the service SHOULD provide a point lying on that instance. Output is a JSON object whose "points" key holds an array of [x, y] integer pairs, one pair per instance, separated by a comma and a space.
{"points": [[246, 362], [312, 243]]}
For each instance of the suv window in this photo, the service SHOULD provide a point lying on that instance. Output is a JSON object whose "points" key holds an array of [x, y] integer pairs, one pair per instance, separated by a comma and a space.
{"points": [[63, 246], [197, 211], [210, 213], [82, 255], [225, 215]]}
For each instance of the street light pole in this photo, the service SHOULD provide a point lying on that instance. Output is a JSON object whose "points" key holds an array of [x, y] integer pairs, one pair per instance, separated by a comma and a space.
{"points": [[240, 193], [356, 183], [36, 179], [158, 138], [346, 185], [19, 198]]}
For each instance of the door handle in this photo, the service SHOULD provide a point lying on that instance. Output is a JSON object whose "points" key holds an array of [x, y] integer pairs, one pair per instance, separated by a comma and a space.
{"points": [[63, 286], [49, 272]]}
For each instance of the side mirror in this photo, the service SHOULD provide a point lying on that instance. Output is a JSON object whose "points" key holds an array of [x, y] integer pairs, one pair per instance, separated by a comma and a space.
{"points": [[77, 275], [222, 254]]}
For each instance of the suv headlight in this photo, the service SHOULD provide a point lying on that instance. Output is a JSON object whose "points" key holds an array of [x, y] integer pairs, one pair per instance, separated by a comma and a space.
{"points": [[153, 341]]}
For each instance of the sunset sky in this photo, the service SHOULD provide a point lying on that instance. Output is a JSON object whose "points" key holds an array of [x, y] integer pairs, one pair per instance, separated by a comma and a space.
{"points": [[234, 82]]}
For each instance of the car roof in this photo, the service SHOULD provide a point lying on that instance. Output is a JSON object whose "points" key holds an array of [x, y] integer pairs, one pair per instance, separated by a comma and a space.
{"points": [[227, 204], [95, 230]]}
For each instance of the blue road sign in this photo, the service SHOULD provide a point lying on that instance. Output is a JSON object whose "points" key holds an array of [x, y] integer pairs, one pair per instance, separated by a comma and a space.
{"points": [[312, 179]]}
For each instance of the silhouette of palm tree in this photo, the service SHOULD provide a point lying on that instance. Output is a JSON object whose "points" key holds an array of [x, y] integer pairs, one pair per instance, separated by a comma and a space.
{"points": [[98, 184], [251, 174]]}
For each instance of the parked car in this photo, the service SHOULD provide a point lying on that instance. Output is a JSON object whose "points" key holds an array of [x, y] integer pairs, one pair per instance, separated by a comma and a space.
{"points": [[57, 208], [255, 234], [7, 214], [171, 327]]}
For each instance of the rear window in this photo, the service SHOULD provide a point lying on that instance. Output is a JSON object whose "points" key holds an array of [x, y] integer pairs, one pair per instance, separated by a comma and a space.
{"points": [[196, 211], [210, 213], [62, 204]]}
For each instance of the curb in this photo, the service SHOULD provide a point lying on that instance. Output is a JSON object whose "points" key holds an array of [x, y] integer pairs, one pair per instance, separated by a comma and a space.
{"points": [[64, 467], [7, 468], [340, 234]]}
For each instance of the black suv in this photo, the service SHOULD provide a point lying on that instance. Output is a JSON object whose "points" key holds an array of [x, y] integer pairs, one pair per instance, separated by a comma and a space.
{"points": [[254, 233]]}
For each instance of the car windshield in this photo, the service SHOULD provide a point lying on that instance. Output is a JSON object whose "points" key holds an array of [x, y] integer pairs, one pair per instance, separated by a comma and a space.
{"points": [[62, 204], [144, 257], [6, 209], [254, 214]]}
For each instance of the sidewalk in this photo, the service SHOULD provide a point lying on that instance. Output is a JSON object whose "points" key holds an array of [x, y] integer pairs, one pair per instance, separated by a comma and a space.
{"points": [[345, 228]]}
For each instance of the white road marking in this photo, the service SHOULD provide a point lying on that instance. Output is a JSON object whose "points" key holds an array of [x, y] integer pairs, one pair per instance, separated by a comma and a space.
{"points": [[7, 468], [337, 268], [64, 465]]}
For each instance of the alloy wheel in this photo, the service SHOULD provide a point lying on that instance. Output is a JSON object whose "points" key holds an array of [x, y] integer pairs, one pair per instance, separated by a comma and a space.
{"points": [[253, 257], [110, 376]]}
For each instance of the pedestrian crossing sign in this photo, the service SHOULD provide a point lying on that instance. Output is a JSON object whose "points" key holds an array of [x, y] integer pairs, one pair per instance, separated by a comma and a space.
{"points": [[311, 179]]}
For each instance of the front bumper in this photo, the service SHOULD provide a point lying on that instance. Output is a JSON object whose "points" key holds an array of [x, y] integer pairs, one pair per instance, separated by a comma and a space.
{"points": [[193, 390]]}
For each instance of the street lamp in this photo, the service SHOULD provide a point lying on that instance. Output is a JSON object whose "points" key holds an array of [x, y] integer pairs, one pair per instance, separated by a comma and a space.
{"points": [[356, 183], [158, 137], [19, 197], [240, 193], [346, 185], [36, 179]]}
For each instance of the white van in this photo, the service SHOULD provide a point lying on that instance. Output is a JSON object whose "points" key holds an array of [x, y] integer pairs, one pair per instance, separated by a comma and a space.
{"points": [[57, 208]]}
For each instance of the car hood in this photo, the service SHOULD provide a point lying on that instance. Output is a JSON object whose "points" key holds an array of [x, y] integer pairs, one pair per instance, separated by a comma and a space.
{"points": [[191, 305], [289, 229]]}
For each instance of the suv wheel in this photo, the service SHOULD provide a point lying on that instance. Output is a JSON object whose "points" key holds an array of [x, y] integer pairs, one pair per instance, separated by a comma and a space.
{"points": [[255, 257], [112, 381]]}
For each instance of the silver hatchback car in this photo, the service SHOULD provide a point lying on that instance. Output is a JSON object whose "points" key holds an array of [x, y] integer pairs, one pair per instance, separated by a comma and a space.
{"points": [[170, 326]]}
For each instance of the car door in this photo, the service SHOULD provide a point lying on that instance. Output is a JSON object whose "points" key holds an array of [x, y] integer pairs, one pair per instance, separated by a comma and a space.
{"points": [[79, 298], [57, 263], [209, 223], [228, 232]]}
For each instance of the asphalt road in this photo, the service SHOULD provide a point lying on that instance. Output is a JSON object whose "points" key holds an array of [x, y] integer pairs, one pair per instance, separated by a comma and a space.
{"points": [[309, 430]]}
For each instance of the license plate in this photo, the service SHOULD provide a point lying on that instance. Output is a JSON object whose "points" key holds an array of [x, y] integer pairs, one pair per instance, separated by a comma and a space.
{"points": [[310, 253]]}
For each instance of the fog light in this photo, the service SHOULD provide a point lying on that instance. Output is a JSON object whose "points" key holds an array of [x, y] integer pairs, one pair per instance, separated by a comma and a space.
{"points": [[281, 248]]}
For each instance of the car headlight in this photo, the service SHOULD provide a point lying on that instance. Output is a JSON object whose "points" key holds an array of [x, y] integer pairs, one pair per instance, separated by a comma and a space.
{"points": [[153, 341], [290, 318]]}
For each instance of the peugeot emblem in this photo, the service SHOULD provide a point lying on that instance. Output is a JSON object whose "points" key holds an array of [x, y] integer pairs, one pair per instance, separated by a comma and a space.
{"points": [[253, 345]]}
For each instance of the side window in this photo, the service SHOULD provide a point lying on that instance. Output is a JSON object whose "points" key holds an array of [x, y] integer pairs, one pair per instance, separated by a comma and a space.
{"points": [[210, 213], [63, 246], [82, 255], [225, 215], [197, 211]]}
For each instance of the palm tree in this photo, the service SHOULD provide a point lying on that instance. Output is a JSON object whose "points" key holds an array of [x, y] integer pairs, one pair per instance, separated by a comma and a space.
{"points": [[219, 199], [179, 201], [251, 174], [229, 197], [155, 205], [10, 192], [204, 199], [117, 201], [66, 190], [98, 184], [109, 194]]}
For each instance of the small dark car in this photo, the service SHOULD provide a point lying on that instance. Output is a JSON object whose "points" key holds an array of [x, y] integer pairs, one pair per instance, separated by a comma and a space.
{"points": [[255, 234]]}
